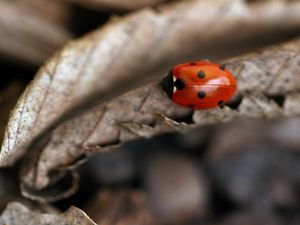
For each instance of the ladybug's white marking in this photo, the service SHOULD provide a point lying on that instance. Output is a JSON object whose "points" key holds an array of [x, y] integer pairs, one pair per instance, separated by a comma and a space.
{"points": [[174, 88]]}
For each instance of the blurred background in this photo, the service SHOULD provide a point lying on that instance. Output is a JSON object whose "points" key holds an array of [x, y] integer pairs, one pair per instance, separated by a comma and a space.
{"points": [[246, 172]]}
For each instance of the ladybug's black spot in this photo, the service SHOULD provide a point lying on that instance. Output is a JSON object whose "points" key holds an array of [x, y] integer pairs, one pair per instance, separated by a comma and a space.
{"points": [[191, 106], [193, 64], [222, 67], [167, 84], [201, 94], [201, 74], [179, 84], [221, 103]]}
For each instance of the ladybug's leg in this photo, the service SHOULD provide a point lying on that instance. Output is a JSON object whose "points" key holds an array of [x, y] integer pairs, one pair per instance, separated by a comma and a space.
{"points": [[221, 104], [222, 67]]}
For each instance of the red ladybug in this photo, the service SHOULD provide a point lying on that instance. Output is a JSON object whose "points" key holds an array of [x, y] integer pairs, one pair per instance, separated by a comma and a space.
{"points": [[199, 85]]}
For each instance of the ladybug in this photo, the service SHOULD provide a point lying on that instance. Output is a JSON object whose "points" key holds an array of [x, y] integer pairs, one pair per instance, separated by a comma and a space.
{"points": [[199, 85]]}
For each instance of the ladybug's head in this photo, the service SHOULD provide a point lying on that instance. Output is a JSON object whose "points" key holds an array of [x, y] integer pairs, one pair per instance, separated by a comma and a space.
{"points": [[168, 84]]}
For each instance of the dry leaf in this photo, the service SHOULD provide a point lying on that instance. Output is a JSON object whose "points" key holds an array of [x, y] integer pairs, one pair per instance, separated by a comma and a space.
{"points": [[117, 4], [10, 191], [17, 214], [101, 61], [8, 98], [54, 11], [292, 104], [82, 67], [134, 115], [31, 30], [147, 111]]}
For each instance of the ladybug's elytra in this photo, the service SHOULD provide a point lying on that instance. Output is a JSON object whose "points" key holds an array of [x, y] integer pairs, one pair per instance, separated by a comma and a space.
{"points": [[199, 85]]}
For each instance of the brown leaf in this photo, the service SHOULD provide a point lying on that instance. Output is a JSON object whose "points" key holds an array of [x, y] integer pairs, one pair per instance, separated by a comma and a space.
{"points": [[78, 71], [31, 30], [147, 111], [8, 98], [136, 114], [104, 60], [117, 4], [10, 191], [54, 11], [17, 214], [292, 104]]}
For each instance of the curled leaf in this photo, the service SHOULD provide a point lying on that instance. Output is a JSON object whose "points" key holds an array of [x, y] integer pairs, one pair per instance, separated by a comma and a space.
{"points": [[31, 32], [147, 111], [8, 98], [119, 51], [117, 4], [112, 60], [17, 214], [10, 192]]}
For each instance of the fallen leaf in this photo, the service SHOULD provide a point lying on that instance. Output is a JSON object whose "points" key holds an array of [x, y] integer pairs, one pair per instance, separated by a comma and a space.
{"points": [[75, 72], [54, 11], [17, 214], [8, 98], [10, 192], [116, 4], [116, 54], [147, 111], [292, 104], [31, 30]]}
